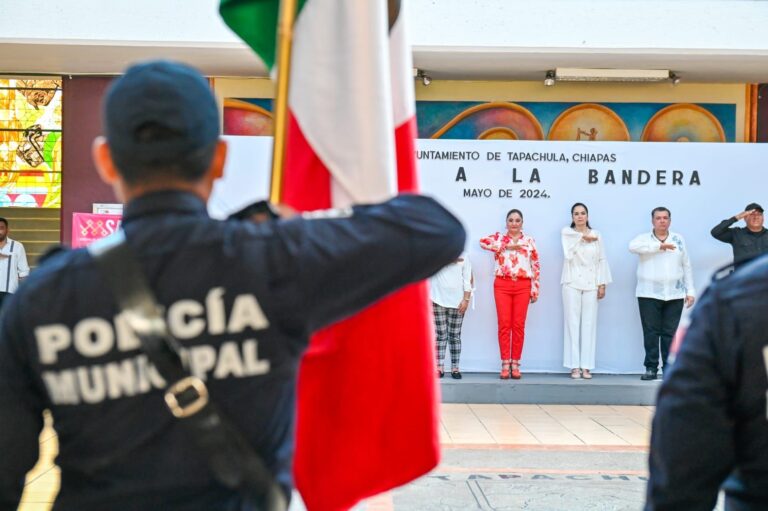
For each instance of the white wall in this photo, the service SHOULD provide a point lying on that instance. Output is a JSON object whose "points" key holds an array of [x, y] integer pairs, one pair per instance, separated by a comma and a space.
{"points": [[619, 24], [705, 40], [133, 22], [585, 24]]}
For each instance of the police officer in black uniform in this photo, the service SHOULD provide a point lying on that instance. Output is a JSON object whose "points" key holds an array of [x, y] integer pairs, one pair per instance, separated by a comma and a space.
{"points": [[711, 423], [241, 298], [747, 242]]}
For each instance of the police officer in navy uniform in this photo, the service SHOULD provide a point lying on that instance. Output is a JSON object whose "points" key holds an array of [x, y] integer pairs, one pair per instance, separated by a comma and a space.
{"points": [[711, 423], [242, 298]]}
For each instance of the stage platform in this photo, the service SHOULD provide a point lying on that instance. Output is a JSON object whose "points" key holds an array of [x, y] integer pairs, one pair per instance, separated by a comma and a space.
{"points": [[548, 388]]}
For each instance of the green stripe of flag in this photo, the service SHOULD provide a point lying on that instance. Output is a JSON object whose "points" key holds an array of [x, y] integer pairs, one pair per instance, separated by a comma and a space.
{"points": [[255, 22]]}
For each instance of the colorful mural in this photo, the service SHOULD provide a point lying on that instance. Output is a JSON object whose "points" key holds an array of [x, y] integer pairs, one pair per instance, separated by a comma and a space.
{"points": [[650, 122], [654, 122], [248, 116], [683, 123], [493, 121], [589, 121], [30, 143]]}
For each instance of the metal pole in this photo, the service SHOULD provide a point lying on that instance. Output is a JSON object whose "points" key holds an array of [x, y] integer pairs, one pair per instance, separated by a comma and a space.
{"points": [[284, 44]]}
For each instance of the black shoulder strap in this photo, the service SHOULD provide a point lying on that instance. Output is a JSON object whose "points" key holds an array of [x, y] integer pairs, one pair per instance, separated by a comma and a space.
{"points": [[8, 276], [231, 457]]}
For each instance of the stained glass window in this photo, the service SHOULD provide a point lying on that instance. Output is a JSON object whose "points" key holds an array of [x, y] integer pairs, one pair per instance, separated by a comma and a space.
{"points": [[30, 143]]}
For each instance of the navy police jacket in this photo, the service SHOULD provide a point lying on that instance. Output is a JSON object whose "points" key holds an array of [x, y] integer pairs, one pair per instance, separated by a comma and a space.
{"points": [[243, 300], [711, 423]]}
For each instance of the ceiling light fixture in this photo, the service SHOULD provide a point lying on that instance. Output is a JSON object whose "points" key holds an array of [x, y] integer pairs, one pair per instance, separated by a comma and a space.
{"points": [[419, 74], [575, 74], [549, 80]]}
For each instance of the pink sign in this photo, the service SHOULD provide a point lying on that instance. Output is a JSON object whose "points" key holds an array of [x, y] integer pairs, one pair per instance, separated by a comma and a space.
{"points": [[89, 227]]}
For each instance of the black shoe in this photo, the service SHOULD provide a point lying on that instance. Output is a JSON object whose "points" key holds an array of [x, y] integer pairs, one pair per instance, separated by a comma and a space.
{"points": [[650, 374], [456, 375]]}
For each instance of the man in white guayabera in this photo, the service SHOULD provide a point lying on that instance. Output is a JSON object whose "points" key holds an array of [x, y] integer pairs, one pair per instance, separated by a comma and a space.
{"points": [[664, 284]]}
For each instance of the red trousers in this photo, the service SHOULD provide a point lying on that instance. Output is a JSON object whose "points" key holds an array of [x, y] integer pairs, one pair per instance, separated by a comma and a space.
{"points": [[512, 299]]}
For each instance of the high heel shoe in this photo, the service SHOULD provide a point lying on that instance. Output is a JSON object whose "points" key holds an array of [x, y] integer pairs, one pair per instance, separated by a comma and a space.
{"points": [[516, 370], [504, 371]]}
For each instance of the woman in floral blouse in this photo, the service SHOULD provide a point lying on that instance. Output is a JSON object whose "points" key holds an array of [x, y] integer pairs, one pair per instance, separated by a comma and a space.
{"points": [[516, 285]]}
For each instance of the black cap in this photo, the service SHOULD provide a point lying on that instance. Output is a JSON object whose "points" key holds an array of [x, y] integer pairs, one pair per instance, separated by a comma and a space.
{"points": [[168, 94], [754, 205]]}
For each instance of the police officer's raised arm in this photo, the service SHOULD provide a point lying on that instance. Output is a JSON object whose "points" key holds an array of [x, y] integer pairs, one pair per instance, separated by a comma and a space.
{"points": [[723, 231], [692, 440], [21, 409], [344, 264]]}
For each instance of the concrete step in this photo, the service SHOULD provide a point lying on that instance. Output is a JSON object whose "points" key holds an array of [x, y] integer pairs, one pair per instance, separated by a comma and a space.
{"points": [[29, 235], [549, 388], [32, 223]]}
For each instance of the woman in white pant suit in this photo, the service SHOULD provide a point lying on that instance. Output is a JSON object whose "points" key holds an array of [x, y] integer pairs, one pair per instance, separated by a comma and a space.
{"points": [[585, 275]]}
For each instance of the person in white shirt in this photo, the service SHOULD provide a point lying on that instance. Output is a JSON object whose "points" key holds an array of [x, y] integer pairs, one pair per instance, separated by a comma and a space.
{"points": [[450, 290], [13, 262], [585, 275], [664, 284]]}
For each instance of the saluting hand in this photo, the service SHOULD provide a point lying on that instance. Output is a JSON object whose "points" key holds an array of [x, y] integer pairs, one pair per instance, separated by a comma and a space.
{"points": [[589, 238]]}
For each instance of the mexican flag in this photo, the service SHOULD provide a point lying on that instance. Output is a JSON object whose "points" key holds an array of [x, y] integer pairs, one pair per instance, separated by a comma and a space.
{"points": [[367, 397]]}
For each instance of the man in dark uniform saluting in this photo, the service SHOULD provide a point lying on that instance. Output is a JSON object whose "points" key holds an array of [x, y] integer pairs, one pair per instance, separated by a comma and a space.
{"points": [[241, 298], [747, 242], [711, 423]]}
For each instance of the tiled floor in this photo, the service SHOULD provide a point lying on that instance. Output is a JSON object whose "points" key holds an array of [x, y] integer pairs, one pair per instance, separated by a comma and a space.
{"points": [[43, 480], [461, 426], [557, 425]]}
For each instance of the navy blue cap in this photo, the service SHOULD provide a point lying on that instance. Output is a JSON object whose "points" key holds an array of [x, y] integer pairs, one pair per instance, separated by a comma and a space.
{"points": [[167, 94], [754, 205]]}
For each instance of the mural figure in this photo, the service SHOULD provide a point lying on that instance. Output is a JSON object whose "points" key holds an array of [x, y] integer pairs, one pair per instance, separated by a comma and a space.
{"points": [[39, 92], [591, 134], [31, 149]]}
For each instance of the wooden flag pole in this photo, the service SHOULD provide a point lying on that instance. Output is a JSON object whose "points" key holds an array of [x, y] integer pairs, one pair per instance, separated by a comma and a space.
{"points": [[284, 44]]}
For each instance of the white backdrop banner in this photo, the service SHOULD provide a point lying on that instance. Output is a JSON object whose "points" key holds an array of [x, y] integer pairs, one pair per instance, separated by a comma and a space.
{"points": [[620, 182]]}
